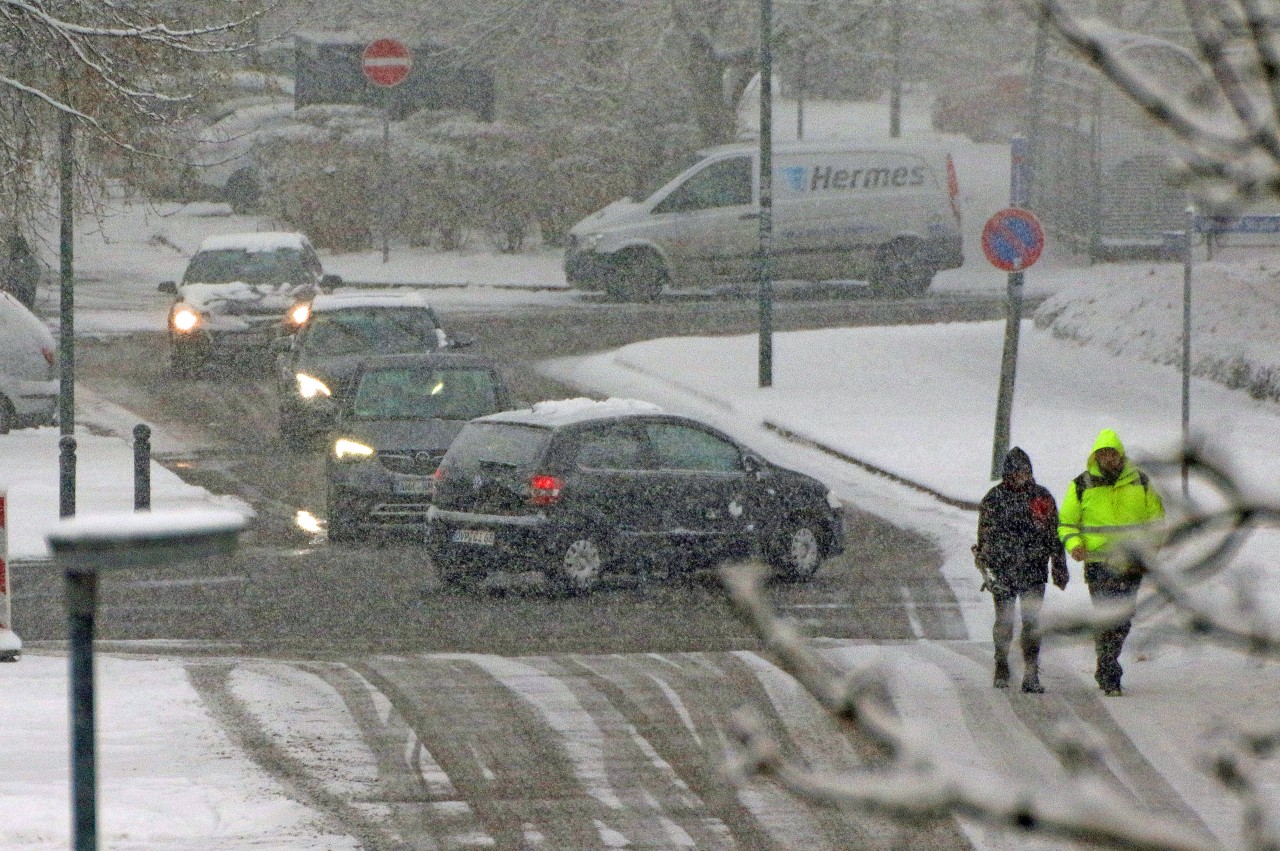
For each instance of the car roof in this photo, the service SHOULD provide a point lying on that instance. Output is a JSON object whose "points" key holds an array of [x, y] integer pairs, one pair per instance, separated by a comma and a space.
{"points": [[355, 298], [563, 412], [253, 242], [425, 360]]}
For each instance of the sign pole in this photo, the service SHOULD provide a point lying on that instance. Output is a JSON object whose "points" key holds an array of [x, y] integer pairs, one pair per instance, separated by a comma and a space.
{"points": [[765, 248], [1012, 240], [10, 644], [386, 63], [386, 178], [1186, 342]]}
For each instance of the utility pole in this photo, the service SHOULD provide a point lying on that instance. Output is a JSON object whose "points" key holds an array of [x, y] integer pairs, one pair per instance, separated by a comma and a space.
{"points": [[895, 74]]}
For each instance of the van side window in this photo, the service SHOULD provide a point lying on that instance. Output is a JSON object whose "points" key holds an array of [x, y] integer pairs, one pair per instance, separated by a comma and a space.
{"points": [[611, 449], [726, 183], [679, 447]]}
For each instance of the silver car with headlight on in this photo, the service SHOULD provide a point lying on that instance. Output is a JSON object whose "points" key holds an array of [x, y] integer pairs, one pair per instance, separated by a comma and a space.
{"points": [[234, 295]]}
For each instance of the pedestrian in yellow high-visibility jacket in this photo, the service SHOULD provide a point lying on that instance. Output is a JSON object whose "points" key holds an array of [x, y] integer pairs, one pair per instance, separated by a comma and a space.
{"points": [[1109, 501]]}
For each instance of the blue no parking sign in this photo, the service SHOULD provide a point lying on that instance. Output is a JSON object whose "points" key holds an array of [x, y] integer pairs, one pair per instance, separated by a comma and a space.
{"points": [[1013, 239]]}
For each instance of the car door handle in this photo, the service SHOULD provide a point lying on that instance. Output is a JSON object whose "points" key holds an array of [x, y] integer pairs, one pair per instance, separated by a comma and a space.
{"points": [[749, 216]]}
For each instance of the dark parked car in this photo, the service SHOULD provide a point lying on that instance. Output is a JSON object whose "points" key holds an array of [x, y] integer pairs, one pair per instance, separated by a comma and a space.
{"points": [[315, 366], [578, 489], [234, 295], [402, 414]]}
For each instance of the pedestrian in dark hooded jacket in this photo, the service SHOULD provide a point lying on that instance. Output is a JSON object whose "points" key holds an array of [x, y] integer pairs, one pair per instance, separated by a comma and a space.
{"points": [[21, 271], [1017, 541]]}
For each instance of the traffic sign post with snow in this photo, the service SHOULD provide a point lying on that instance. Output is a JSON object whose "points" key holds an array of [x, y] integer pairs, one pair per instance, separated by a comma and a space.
{"points": [[1013, 239], [386, 62]]}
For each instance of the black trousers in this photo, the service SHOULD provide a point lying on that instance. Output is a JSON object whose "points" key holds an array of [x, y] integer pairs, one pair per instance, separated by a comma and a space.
{"points": [[1002, 632], [1113, 590]]}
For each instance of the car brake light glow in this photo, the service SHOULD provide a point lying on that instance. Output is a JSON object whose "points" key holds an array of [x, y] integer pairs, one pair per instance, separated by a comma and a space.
{"points": [[544, 490]]}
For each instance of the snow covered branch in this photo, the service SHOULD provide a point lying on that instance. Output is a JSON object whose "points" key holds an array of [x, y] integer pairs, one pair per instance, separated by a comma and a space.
{"points": [[913, 781], [1229, 127]]}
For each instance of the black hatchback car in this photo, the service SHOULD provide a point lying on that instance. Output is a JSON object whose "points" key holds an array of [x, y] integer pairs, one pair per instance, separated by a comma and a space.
{"points": [[578, 489], [392, 431]]}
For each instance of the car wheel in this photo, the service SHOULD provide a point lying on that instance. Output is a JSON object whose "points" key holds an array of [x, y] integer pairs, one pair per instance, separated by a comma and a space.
{"points": [[796, 554], [242, 191], [636, 277], [6, 416], [292, 434], [342, 526], [900, 270], [580, 566], [456, 572]]}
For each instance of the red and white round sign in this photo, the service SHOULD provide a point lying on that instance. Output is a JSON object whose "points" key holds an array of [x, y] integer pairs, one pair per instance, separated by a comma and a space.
{"points": [[386, 62]]}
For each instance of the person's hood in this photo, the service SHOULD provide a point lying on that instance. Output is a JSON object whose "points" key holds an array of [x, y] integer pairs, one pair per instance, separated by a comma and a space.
{"points": [[1016, 460], [1107, 439]]}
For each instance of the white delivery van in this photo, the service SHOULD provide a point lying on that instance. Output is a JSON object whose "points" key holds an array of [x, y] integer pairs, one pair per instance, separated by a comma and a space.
{"points": [[883, 212], [28, 368]]}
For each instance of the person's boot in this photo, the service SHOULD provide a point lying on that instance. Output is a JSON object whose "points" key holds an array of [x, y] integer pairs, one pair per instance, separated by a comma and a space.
{"points": [[1001, 679], [1031, 679]]}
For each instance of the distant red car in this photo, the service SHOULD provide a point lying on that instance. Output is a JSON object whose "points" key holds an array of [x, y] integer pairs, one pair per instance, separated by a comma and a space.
{"points": [[991, 109]]}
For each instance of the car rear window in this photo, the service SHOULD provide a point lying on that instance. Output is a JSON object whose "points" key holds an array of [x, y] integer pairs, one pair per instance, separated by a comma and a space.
{"points": [[512, 445], [222, 266], [372, 330], [408, 393]]}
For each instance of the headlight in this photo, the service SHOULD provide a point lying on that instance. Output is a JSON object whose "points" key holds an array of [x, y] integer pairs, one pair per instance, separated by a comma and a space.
{"points": [[185, 318], [833, 500], [345, 449], [309, 387], [299, 313]]}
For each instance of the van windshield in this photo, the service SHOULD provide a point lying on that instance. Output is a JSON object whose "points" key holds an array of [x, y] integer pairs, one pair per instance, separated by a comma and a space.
{"points": [[663, 177]]}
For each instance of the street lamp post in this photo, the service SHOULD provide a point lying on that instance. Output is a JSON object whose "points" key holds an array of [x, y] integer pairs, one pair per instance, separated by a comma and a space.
{"points": [[84, 546], [764, 253]]}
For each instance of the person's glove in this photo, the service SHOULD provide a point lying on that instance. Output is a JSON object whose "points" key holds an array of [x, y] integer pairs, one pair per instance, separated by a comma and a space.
{"points": [[1060, 574]]}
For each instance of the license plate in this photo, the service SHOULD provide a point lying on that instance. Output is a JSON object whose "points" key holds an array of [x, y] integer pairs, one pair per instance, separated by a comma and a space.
{"points": [[483, 537], [414, 487]]}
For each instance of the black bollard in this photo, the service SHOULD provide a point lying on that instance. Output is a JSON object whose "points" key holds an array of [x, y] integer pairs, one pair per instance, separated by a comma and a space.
{"points": [[141, 467], [66, 476]]}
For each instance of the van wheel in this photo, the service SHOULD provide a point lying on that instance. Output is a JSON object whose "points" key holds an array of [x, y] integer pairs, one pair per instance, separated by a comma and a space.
{"points": [[900, 270], [636, 277], [579, 568], [796, 554]]}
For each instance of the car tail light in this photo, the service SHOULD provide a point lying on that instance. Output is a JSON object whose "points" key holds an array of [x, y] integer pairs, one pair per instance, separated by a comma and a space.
{"points": [[953, 187], [544, 490], [48, 354]]}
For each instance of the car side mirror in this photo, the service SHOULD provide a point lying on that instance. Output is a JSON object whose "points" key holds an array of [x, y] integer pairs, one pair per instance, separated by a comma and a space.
{"points": [[461, 341], [328, 283], [281, 345], [168, 287]]}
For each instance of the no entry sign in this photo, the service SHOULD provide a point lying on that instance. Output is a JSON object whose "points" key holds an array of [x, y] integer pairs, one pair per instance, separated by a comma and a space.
{"points": [[386, 62], [1013, 239]]}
